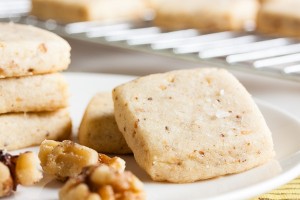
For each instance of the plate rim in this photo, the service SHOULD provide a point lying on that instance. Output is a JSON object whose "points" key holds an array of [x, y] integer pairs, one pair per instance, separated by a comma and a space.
{"points": [[254, 190], [250, 191]]}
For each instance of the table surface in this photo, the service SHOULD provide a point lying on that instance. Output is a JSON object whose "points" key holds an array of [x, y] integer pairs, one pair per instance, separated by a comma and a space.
{"points": [[87, 57]]}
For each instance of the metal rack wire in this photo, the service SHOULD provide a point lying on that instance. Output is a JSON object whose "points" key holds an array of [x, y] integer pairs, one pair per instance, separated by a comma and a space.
{"points": [[250, 52]]}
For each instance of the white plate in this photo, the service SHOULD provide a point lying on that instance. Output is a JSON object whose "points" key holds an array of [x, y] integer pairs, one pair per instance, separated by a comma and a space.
{"points": [[285, 129]]}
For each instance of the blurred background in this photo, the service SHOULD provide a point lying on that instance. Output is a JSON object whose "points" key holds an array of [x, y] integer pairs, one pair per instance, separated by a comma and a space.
{"points": [[89, 56], [256, 40], [245, 35]]}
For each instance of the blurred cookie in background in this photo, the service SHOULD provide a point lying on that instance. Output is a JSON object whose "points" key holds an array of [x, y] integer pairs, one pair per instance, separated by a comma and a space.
{"points": [[67, 11], [279, 17], [206, 15]]}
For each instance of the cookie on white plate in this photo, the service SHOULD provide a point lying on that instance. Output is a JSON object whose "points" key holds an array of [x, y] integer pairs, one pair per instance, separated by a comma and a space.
{"points": [[190, 125], [27, 50], [98, 129]]}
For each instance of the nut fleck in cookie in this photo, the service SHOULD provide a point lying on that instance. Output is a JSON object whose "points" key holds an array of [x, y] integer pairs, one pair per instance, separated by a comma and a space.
{"points": [[98, 129], [27, 50], [190, 125]]}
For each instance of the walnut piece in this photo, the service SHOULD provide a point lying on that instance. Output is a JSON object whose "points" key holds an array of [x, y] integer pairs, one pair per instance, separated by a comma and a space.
{"points": [[27, 172], [103, 182], [92, 176], [67, 159], [115, 162], [6, 182], [20, 169]]}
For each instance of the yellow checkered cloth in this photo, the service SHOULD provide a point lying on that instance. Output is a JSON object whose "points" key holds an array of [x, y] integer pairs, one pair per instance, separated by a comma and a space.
{"points": [[290, 191]]}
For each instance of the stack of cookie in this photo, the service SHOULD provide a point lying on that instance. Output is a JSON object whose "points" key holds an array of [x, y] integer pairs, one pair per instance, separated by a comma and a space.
{"points": [[33, 96]]}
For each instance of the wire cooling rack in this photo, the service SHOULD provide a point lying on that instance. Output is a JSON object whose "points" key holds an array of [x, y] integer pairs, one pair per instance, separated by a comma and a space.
{"points": [[247, 51]]}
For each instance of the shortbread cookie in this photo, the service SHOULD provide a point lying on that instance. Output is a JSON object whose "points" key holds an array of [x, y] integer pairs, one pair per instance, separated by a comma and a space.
{"points": [[27, 50], [99, 130], [279, 18], [206, 15], [33, 93], [189, 125], [28, 129], [67, 11]]}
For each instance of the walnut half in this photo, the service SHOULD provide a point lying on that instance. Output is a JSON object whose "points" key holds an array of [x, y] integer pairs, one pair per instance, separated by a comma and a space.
{"points": [[67, 159], [102, 182]]}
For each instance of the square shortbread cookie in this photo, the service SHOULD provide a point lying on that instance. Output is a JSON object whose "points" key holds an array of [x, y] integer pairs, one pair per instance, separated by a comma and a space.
{"points": [[27, 50], [33, 93], [19, 130], [98, 129], [189, 125]]}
